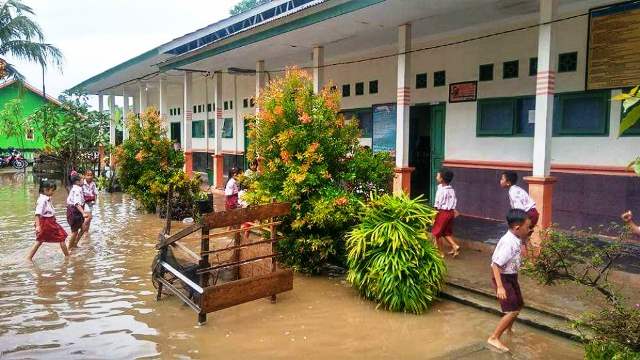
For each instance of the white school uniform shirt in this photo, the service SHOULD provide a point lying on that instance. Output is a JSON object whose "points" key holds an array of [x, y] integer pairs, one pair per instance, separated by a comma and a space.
{"points": [[231, 188], [445, 198], [44, 207], [75, 196], [89, 188], [520, 199], [507, 254]]}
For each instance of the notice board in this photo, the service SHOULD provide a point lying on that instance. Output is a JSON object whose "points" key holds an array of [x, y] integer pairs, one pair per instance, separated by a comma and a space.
{"points": [[613, 59], [384, 128]]}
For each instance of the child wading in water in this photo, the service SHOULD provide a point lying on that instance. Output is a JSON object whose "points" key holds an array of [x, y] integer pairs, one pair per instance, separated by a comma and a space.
{"points": [[90, 193], [231, 190], [47, 228], [518, 198], [75, 210], [505, 264], [445, 202]]}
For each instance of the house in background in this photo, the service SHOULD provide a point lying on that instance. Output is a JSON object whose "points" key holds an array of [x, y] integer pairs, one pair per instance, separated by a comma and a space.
{"points": [[32, 100]]}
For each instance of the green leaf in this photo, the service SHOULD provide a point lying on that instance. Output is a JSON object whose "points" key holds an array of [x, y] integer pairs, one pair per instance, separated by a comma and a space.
{"points": [[630, 119], [629, 103]]}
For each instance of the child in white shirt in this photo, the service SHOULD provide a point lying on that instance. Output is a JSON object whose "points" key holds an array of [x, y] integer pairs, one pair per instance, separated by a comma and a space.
{"points": [[445, 203], [518, 197], [47, 228], [75, 211]]}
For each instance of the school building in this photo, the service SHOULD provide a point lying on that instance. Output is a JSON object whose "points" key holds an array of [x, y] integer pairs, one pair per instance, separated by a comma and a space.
{"points": [[478, 86], [31, 99]]}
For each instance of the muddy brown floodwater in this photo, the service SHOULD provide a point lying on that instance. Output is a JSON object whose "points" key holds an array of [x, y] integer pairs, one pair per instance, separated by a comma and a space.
{"points": [[100, 304]]}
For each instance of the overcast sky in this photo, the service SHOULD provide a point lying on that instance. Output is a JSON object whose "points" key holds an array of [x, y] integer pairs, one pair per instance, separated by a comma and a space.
{"points": [[95, 35]]}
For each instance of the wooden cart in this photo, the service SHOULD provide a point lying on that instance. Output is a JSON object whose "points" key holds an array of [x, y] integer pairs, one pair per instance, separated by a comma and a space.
{"points": [[249, 264]]}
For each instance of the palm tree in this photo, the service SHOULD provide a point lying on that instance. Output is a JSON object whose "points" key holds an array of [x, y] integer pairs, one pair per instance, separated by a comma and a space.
{"points": [[22, 38]]}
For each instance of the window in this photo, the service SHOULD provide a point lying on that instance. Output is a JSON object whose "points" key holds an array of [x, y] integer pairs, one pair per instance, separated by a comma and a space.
{"points": [[227, 128], [334, 88], [209, 107], [365, 120], [245, 103], [178, 111], [373, 87], [231, 104], [346, 90], [359, 88], [486, 72], [584, 113], [439, 78], [252, 102], [510, 69], [171, 112], [533, 66], [421, 81], [195, 109], [506, 116], [211, 128], [200, 161], [200, 108], [30, 135], [568, 62], [226, 105], [197, 129]]}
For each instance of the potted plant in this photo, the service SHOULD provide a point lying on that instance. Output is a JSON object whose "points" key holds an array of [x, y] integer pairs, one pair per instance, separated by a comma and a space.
{"points": [[203, 202]]}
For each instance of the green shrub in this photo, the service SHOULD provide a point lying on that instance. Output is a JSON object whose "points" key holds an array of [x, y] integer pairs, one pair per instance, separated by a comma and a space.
{"points": [[609, 350], [391, 258], [311, 159]]}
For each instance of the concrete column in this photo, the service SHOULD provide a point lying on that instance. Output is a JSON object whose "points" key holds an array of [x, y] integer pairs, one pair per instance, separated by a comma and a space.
{"points": [[186, 122], [402, 180], [218, 158], [318, 68], [100, 146], [125, 113], [260, 81], [163, 97], [111, 102], [142, 96], [541, 183], [136, 103], [100, 102]]}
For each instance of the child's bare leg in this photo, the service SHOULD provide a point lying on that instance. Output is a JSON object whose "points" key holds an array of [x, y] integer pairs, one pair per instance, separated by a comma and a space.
{"points": [[73, 240], [454, 245], [33, 250], [64, 249], [506, 321]]}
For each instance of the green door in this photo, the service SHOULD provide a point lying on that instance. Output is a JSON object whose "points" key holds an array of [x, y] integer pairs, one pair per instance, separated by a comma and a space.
{"points": [[437, 144]]}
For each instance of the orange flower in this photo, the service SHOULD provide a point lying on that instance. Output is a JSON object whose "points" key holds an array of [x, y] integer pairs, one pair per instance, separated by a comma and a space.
{"points": [[305, 118], [278, 111], [313, 147], [285, 156], [140, 155], [341, 201]]}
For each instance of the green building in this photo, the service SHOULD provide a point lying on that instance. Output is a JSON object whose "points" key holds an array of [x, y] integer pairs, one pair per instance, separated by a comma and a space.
{"points": [[32, 99]]}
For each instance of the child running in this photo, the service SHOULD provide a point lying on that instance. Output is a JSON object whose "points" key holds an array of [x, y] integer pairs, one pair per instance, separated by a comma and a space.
{"points": [[47, 228], [519, 198], [90, 193], [75, 211], [505, 264], [231, 190], [445, 203]]}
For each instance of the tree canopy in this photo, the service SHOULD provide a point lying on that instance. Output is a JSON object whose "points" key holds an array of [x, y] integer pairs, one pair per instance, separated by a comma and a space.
{"points": [[246, 5]]}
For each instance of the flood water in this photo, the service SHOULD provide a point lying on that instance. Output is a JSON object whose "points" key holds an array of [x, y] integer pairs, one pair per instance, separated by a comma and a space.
{"points": [[100, 304]]}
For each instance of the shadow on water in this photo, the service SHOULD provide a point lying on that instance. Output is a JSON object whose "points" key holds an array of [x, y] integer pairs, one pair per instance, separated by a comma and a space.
{"points": [[100, 304]]}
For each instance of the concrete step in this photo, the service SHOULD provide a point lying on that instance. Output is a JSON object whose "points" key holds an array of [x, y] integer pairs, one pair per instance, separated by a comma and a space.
{"points": [[540, 319]]}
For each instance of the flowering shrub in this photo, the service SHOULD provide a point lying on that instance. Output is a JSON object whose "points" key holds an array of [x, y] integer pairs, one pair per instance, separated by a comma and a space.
{"points": [[147, 163], [308, 152]]}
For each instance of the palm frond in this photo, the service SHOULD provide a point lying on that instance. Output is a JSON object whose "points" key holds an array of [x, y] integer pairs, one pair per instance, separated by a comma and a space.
{"points": [[20, 27], [31, 51], [11, 73]]}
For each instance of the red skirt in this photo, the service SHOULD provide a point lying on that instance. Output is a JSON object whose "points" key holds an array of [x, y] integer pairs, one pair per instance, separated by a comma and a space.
{"points": [[534, 216], [443, 225], [50, 231], [231, 202], [74, 218]]}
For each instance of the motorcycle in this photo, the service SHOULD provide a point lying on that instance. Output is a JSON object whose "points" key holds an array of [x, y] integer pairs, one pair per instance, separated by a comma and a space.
{"points": [[14, 159]]}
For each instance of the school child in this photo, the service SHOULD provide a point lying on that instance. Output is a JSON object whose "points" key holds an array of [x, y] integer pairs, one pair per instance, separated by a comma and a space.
{"points": [[75, 211], [252, 171], [445, 203], [47, 228], [627, 217], [90, 193], [231, 190], [505, 264], [518, 197]]}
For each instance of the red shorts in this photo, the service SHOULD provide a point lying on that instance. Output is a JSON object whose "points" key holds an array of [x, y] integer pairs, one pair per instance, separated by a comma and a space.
{"points": [[443, 224], [514, 300], [534, 216], [74, 218], [50, 231]]}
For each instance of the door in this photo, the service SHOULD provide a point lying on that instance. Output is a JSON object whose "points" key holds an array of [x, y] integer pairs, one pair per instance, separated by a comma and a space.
{"points": [[420, 150], [437, 144], [175, 132]]}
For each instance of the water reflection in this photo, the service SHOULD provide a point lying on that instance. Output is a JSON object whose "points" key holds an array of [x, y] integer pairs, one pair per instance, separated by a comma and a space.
{"points": [[100, 304]]}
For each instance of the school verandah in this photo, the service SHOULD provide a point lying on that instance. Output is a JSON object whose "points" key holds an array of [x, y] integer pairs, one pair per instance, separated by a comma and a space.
{"points": [[477, 86]]}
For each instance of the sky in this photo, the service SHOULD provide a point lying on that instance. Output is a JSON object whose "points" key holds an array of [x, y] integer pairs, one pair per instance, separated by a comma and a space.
{"points": [[95, 35]]}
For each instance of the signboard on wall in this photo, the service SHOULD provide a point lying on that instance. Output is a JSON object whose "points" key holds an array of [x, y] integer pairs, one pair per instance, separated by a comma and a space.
{"points": [[463, 91], [613, 59], [384, 128]]}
